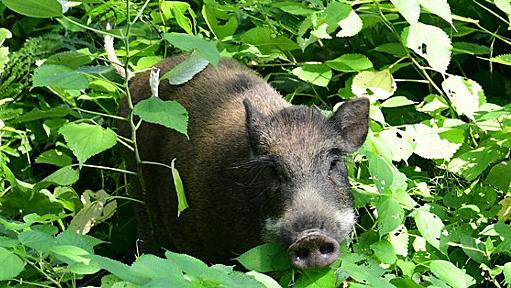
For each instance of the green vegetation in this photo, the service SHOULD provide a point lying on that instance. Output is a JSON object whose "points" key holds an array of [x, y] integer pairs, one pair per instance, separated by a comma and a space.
{"points": [[432, 184]]}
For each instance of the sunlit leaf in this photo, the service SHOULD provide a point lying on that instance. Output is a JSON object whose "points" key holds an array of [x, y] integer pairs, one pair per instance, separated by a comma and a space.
{"points": [[465, 95], [450, 274], [438, 7], [410, 9], [86, 140], [375, 85], [184, 71], [11, 264], [317, 74], [168, 113], [350, 26], [35, 8]]}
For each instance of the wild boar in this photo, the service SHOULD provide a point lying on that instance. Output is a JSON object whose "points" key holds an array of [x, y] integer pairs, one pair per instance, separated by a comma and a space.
{"points": [[255, 168]]}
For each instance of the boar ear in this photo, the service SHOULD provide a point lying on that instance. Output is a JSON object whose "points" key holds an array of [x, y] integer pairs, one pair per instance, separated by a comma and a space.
{"points": [[253, 122], [352, 121]]}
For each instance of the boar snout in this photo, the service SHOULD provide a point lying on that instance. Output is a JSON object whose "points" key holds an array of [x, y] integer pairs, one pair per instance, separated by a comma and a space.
{"points": [[313, 250]]}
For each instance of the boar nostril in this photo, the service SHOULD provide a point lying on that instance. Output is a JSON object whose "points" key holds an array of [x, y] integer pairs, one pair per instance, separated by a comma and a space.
{"points": [[313, 250], [326, 248]]}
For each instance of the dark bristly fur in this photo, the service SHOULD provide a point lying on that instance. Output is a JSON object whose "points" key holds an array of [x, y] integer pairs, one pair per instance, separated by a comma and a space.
{"points": [[255, 167]]}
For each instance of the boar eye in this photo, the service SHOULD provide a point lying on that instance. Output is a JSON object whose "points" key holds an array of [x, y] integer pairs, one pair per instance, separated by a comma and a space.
{"points": [[334, 162]]}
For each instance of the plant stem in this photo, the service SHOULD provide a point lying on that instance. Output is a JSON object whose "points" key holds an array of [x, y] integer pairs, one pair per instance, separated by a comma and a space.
{"points": [[107, 168], [101, 114]]}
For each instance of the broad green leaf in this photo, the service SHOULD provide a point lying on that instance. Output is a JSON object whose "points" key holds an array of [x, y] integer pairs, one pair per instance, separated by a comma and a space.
{"points": [[428, 143], [384, 251], [177, 10], [4, 34], [395, 49], [4, 51], [375, 85], [71, 59], [59, 76], [266, 40], [168, 113], [86, 140], [35, 8], [180, 191], [120, 270], [430, 42], [472, 163], [397, 101], [450, 274], [186, 42], [317, 74], [36, 114], [37, 240], [54, 157], [363, 273], [151, 266], [504, 59], [294, 8], [400, 143], [267, 281], [504, 213], [184, 71], [265, 258], [430, 226], [214, 16], [316, 279], [390, 216], [507, 272], [504, 6], [350, 63], [438, 7], [466, 95], [350, 26], [433, 104], [11, 264], [191, 266], [64, 176], [399, 239], [70, 254], [410, 10], [469, 48], [500, 176], [97, 207]]}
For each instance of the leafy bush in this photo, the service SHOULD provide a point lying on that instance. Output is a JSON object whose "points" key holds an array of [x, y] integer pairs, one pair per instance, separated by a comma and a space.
{"points": [[431, 184]]}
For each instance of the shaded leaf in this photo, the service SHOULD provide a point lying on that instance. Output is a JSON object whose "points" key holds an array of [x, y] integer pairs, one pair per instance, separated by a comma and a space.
{"points": [[184, 71], [187, 42], [86, 140], [59, 76], [11, 264]]}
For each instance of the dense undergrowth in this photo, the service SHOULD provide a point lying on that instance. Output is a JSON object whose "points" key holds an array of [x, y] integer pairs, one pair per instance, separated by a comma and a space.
{"points": [[431, 184]]}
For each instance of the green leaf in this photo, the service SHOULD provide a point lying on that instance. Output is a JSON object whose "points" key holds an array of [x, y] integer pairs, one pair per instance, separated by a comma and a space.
{"points": [[86, 140], [384, 251], [438, 7], [504, 59], [395, 49], [317, 74], [37, 240], [35, 8], [316, 279], [429, 144], [294, 8], [410, 9], [469, 48], [466, 95], [59, 76], [65, 176], [397, 101], [11, 264], [186, 42], [119, 269], [450, 274], [375, 85], [350, 63], [267, 41], [350, 26], [507, 273], [180, 191], [265, 258], [214, 16], [54, 157], [500, 176], [168, 113], [36, 114], [70, 254], [390, 216], [71, 59], [472, 163], [267, 281], [430, 226], [504, 6], [177, 10], [184, 71], [430, 42], [191, 266]]}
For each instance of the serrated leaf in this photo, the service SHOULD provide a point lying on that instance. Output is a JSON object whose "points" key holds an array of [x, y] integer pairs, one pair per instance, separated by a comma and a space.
{"points": [[265, 258], [350, 26], [350, 63], [500, 176], [466, 95], [375, 85], [54, 157], [430, 226], [438, 7], [37, 240], [35, 8], [431, 43], [390, 216], [504, 59], [504, 6], [187, 42], [450, 274], [472, 163], [180, 191], [317, 74], [397, 101], [266, 280], [86, 140], [399, 240], [399, 143], [428, 143], [316, 279], [184, 71], [384, 251], [59, 76], [11, 264], [65, 176], [469, 48], [170, 114], [410, 9]]}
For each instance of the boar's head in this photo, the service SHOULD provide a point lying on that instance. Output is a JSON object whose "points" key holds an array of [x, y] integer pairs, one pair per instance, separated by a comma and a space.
{"points": [[307, 205]]}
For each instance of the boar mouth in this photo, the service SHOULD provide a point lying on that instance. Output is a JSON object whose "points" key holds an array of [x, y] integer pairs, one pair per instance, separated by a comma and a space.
{"points": [[312, 250]]}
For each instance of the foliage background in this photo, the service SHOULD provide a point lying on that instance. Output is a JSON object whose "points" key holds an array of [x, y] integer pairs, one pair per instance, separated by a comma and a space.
{"points": [[431, 184]]}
